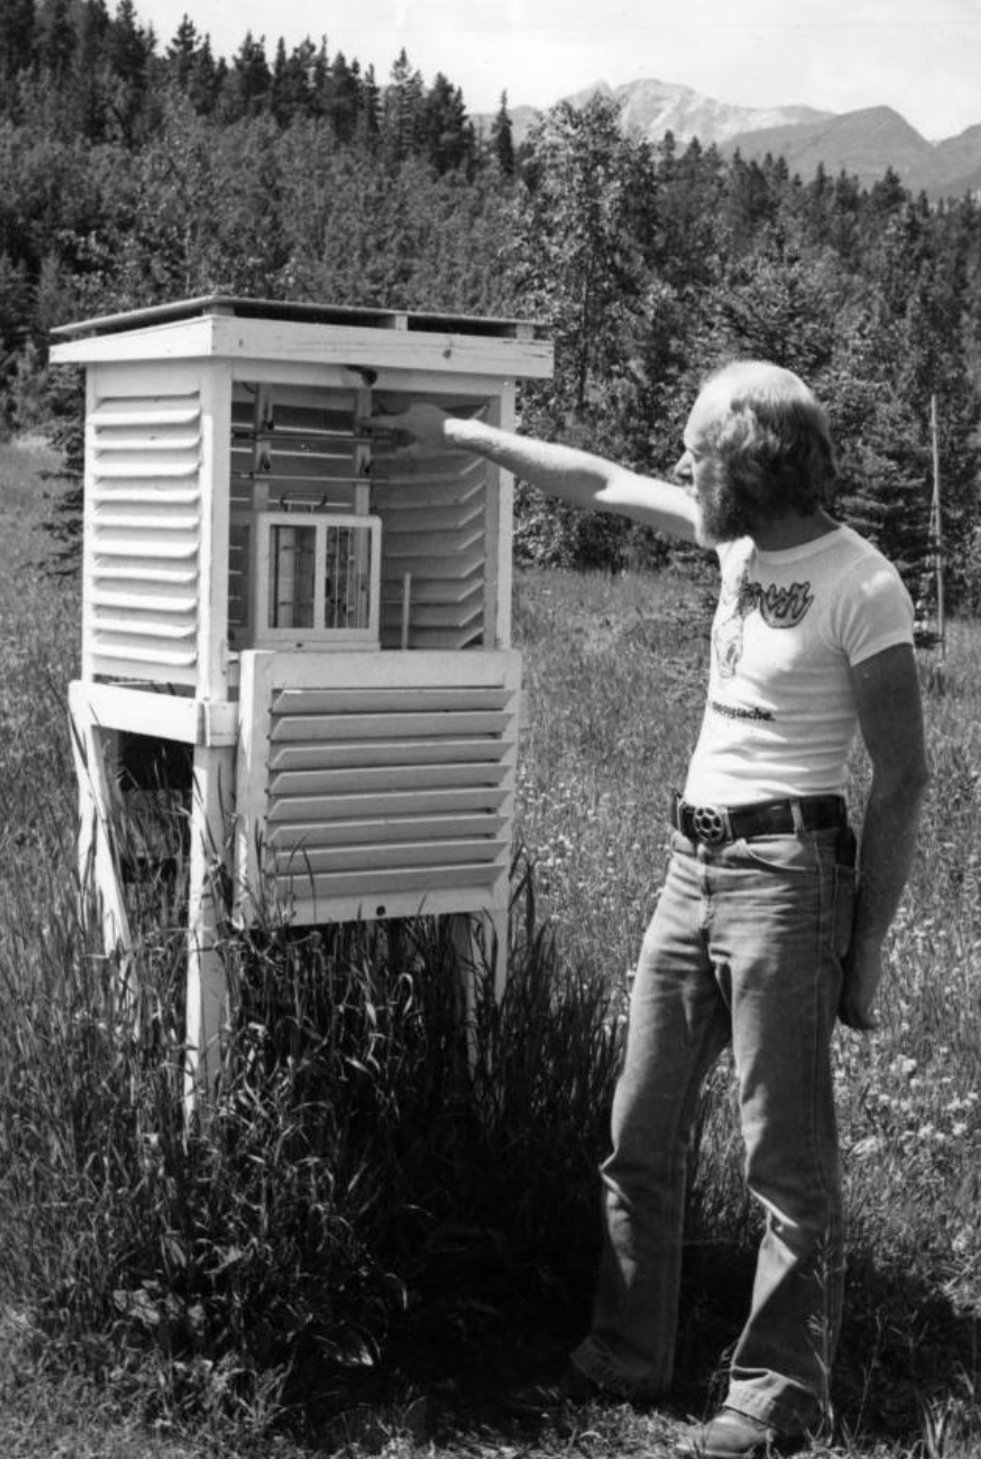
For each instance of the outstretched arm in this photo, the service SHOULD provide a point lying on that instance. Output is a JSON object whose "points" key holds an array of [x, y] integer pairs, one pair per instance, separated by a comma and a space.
{"points": [[577, 477], [891, 720]]}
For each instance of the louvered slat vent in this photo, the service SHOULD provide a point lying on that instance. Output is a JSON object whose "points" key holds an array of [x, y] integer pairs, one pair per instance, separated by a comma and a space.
{"points": [[434, 534], [382, 792], [145, 520]]}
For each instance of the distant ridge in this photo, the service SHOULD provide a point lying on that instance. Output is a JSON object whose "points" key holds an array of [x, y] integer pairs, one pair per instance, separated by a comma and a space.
{"points": [[861, 143]]}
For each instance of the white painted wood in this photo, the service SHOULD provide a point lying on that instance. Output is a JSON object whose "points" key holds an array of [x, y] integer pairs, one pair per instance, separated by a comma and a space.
{"points": [[174, 572], [252, 781], [320, 526], [165, 716], [500, 530], [422, 882], [308, 834], [149, 549], [383, 726], [449, 353], [88, 669], [139, 711], [153, 494], [152, 624], [146, 597], [207, 989], [437, 593], [365, 699], [437, 751], [308, 908], [428, 566], [459, 620], [135, 660], [215, 475], [124, 463], [143, 524], [303, 783], [314, 668], [99, 870], [428, 478], [391, 803], [303, 861]]}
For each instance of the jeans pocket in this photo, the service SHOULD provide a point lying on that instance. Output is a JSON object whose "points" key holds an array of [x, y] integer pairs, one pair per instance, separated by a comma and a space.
{"points": [[793, 854]]}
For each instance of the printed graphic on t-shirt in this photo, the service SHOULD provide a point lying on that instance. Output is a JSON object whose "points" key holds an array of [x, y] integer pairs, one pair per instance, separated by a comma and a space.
{"points": [[778, 607]]}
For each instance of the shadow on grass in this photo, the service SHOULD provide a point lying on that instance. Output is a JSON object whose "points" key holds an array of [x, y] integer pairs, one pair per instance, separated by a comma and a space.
{"points": [[907, 1360], [907, 1355]]}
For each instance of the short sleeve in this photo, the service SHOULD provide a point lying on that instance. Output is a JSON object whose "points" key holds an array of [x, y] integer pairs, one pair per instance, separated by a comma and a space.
{"points": [[873, 611]]}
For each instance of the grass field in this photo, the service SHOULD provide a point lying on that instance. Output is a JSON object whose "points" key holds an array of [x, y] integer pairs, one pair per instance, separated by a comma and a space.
{"points": [[494, 1275]]}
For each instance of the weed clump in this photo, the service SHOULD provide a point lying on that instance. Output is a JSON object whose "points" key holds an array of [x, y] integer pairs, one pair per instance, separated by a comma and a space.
{"points": [[377, 1173]]}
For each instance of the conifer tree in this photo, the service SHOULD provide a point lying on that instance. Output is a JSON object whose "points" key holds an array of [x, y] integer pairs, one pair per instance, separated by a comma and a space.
{"points": [[128, 50], [502, 138], [17, 37], [56, 40], [402, 107], [444, 130], [247, 87], [181, 52]]}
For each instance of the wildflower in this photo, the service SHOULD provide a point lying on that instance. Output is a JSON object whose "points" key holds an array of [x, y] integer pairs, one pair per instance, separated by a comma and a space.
{"points": [[904, 1066], [867, 1148]]}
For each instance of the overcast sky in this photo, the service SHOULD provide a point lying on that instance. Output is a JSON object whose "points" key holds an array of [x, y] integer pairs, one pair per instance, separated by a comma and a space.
{"points": [[922, 57]]}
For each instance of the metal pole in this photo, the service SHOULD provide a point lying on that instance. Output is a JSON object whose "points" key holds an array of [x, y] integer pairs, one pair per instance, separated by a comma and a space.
{"points": [[936, 527]]}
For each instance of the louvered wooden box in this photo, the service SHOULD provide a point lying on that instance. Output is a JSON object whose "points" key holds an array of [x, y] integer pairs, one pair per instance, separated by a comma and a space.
{"points": [[324, 616]]}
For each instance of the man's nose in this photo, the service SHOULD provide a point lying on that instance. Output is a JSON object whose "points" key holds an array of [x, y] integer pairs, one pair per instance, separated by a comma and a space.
{"points": [[682, 471]]}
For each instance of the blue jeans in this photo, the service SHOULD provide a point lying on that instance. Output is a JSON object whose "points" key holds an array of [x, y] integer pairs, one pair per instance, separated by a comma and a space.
{"points": [[745, 946]]}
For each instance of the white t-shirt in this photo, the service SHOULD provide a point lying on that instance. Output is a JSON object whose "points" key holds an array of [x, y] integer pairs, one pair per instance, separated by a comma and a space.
{"points": [[781, 714]]}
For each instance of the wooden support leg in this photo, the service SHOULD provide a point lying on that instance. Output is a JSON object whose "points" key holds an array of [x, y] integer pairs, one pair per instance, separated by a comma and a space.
{"points": [[98, 859], [481, 941], [207, 993], [497, 932]]}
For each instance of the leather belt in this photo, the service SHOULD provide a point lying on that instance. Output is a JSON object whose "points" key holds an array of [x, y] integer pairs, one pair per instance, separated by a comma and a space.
{"points": [[717, 825]]}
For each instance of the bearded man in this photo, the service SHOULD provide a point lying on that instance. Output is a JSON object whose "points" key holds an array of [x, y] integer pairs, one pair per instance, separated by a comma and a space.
{"points": [[765, 930]]}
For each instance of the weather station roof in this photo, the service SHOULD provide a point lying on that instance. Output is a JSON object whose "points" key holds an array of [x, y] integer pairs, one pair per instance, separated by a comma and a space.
{"points": [[221, 325]]}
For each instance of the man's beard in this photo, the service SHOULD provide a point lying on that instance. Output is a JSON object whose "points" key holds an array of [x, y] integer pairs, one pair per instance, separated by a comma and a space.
{"points": [[723, 516]]}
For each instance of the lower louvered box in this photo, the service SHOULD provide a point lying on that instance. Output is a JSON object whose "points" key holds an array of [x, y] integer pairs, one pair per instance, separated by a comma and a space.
{"points": [[374, 786]]}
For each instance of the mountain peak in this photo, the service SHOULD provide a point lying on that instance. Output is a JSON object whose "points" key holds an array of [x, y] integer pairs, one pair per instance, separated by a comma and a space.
{"points": [[863, 143]]}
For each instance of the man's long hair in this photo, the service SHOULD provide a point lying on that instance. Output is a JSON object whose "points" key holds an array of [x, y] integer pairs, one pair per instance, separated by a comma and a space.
{"points": [[772, 438]]}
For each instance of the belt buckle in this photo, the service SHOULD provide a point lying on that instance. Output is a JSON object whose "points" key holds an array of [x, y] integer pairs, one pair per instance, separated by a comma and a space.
{"points": [[709, 824]]}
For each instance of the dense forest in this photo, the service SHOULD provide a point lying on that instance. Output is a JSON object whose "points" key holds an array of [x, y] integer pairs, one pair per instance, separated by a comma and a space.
{"points": [[136, 172]]}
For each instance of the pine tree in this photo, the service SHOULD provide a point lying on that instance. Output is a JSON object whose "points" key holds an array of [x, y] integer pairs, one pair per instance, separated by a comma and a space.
{"points": [[345, 96], [206, 79], [248, 83], [502, 138], [56, 40], [402, 108], [181, 52], [128, 49], [444, 131], [17, 37], [369, 105], [291, 92], [86, 106], [579, 263]]}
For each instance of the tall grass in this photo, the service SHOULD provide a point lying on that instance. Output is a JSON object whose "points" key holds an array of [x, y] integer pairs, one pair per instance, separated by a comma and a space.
{"points": [[385, 1199]]}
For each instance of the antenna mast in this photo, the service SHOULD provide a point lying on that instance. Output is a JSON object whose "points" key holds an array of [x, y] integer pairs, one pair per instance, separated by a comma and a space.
{"points": [[936, 529]]}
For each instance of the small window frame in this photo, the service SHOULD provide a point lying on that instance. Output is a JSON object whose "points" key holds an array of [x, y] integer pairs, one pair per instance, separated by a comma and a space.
{"points": [[366, 634]]}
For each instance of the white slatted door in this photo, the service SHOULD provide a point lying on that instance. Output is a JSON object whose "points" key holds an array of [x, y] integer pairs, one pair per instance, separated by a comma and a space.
{"points": [[388, 793], [145, 526]]}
